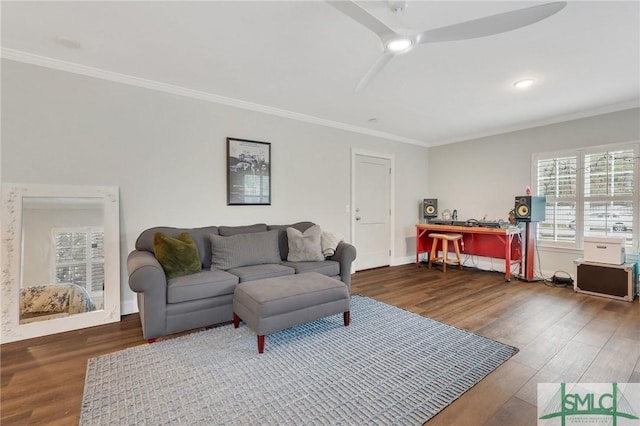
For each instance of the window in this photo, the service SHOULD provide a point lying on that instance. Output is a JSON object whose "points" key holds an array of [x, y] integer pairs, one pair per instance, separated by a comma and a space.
{"points": [[591, 192], [79, 258]]}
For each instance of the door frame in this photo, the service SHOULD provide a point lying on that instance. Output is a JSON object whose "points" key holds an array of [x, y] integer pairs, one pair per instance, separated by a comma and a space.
{"points": [[354, 153]]}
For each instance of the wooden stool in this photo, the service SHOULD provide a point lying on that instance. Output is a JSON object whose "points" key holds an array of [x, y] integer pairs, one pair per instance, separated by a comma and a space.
{"points": [[445, 238]]}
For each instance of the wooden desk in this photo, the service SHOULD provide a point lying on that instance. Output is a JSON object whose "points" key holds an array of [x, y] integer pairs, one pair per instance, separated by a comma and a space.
{"points": [[499, 243]]}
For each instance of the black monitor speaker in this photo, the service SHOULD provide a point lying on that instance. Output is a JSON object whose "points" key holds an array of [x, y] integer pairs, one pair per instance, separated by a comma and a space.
{"points": [[430, 208], [530, 208]]}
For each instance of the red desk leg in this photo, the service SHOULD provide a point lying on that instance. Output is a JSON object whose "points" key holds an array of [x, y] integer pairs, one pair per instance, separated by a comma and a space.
{"points": [[418, 247], [507, 258], [419, 235]]}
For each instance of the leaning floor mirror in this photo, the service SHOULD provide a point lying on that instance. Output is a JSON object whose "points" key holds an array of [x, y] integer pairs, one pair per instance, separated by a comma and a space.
{"points": [[60, 259]]}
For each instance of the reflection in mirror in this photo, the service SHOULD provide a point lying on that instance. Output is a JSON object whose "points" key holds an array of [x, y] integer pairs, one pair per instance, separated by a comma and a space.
{"points": [[60, 259], [63, 257]]}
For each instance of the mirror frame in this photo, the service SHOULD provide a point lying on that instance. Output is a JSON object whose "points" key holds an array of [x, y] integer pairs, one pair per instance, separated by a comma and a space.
{"points": [[11, 245]]}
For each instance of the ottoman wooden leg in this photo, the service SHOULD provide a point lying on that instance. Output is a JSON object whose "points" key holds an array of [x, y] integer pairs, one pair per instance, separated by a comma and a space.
{"points": [[347, 318], [236, 320], [260, 344]]}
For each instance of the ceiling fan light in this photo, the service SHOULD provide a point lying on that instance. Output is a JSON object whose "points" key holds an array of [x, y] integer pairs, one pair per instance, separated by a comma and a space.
{"points": [[398, 45], [523, 84]]}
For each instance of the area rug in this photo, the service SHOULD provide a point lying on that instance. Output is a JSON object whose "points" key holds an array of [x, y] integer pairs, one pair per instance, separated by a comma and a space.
{"points": [[390, 366]]}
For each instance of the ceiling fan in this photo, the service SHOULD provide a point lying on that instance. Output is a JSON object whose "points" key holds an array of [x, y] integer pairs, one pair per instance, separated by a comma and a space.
{"points": [[398, 42]]}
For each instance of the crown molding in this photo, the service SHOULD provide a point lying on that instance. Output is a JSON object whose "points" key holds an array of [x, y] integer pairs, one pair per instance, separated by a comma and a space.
{"points": [[43, 61], [546, 122]]}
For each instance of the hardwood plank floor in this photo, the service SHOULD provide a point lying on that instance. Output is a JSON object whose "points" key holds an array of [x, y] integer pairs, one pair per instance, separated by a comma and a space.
{"points": [[562, 337]]}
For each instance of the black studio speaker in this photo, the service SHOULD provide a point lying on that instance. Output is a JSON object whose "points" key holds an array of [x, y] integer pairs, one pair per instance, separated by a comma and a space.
{"points": [[530, 208], [430, 208]]}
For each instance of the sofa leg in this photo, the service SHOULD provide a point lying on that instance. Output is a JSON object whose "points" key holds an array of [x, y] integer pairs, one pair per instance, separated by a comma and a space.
{"points": [[347, 318], [236, 320], [260, 343]]}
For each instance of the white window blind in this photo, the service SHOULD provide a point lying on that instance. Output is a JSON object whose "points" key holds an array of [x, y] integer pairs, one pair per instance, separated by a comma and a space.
{"points": [[79, 258], [589, 193]]}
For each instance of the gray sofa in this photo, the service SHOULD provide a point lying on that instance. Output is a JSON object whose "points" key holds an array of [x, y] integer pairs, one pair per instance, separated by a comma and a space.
{"points": [[206, 298]]}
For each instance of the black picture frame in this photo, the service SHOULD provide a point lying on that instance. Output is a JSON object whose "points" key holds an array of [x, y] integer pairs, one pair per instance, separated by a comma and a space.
{"points": [[248, 172]]}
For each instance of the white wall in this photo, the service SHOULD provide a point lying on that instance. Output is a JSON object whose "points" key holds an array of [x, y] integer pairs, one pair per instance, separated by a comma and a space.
{"points": [[167, 155], [483, 176]]}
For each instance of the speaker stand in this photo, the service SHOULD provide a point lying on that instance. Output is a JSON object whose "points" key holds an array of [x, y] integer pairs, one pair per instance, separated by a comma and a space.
{"points": [[530, 252]]}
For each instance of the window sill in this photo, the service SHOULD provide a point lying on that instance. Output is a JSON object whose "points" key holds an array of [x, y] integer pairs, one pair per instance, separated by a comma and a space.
{"points": [[556, 249]]}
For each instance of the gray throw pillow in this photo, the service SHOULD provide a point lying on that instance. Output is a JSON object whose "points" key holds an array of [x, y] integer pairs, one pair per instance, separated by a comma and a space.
{"points": [[255, 248], [305, 246]]}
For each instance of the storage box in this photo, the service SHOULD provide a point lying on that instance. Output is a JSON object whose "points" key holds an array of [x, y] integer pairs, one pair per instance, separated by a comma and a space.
{"points": [[604, 250], [613, 281]]}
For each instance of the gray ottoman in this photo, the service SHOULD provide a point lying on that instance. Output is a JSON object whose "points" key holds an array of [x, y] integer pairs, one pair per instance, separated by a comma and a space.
{"points": [[273, 304]]}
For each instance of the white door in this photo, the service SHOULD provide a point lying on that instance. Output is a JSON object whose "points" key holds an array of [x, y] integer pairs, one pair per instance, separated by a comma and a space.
{"points": [[372, 211]]}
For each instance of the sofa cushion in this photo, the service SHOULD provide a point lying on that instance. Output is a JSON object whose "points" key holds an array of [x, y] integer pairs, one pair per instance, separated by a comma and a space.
{"points": [[283, 240], [227, 231], [200, 286], [255, 248], [258, 272], [329, 268], [305, 246], [200, 237], [177, 256]]}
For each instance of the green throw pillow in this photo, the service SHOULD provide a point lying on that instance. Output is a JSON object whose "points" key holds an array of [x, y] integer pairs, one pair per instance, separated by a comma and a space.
{"points": [[178, 256]]}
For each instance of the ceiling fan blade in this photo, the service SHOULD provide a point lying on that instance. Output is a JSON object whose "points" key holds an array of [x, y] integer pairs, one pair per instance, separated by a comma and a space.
{"points": [[490, 25], [374, 70], [360, 15]]}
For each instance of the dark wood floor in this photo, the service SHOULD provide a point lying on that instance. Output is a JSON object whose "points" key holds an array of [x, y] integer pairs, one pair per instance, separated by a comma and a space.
{"points": [[562, 337]]}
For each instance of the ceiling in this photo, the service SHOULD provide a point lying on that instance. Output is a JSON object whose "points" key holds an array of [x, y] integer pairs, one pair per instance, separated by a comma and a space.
{"points": [[303, 59]]}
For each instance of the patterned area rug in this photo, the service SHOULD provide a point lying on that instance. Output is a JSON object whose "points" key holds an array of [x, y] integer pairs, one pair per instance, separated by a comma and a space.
{"points": [[389, 366]]}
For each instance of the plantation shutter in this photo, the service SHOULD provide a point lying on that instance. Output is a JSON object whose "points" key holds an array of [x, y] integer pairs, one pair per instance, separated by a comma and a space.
{"points": [[590, 193], [608, 194], [79, 257], [97, 261], [556, 179]]}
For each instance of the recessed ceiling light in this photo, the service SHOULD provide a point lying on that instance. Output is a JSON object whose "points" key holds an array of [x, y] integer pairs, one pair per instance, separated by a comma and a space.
{"points": [[523, 84], [398, 45], [67, 42]]}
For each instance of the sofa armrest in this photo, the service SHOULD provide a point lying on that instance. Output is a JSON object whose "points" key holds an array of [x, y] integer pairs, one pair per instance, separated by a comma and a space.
{"points": [[145, 272], [345, 255], [147, 278]]}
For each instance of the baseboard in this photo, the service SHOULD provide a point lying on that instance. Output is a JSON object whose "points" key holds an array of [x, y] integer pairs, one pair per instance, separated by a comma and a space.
{"points": [[403, 260], [478, 262]]}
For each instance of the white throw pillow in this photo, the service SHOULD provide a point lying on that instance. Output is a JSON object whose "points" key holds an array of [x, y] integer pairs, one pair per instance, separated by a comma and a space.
{"points": [[330, 241], [305, 246]]}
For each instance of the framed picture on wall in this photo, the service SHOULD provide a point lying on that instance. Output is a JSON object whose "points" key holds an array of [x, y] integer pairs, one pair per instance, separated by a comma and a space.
{"points": [[248, 172]]}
